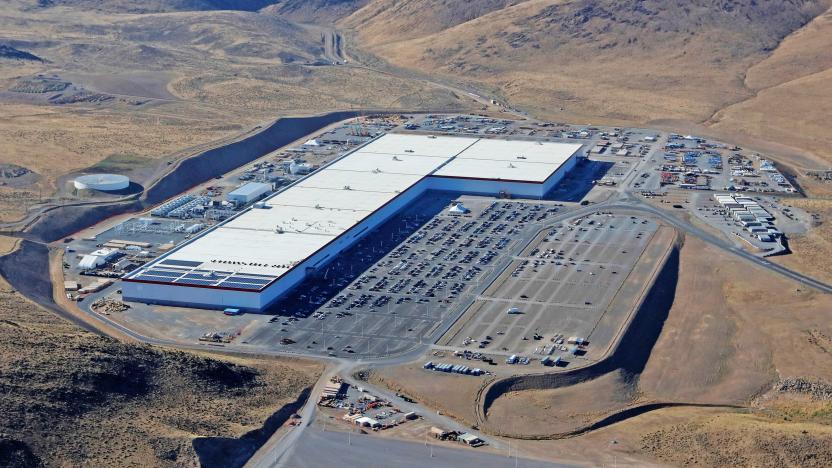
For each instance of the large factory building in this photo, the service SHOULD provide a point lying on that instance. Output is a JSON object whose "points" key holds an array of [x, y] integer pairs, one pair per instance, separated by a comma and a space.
{"points": [[254, 258]]}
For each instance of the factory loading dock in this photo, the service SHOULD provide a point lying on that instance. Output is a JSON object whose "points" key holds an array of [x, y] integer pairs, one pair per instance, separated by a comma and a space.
{"points": [[254, 258]]}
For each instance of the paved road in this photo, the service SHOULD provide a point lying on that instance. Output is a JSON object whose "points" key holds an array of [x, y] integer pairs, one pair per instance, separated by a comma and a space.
{"points": [[277, 448], [281, 449], [639, 205], [327, 448]]}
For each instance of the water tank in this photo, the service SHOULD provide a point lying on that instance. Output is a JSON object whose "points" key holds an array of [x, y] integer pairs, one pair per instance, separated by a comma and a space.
{"points": [[103, 182]]}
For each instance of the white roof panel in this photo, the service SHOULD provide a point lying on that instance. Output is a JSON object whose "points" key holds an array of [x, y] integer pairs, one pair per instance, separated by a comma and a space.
{"points": [[497, 170], [514, 150], [278, 252], [299, 219], [363, 161], [361, 181], [528, 161], [332, 198], [308, 215], [421, 145]]}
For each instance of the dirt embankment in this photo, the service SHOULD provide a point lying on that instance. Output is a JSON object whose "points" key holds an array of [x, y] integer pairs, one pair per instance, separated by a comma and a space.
{"points": [[26, 269], [618, 372]]}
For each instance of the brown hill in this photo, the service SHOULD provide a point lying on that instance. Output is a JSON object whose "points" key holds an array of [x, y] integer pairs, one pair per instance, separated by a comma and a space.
{"points": [[618, 60], [792, 98], [297, 9], [158, 6], [314, 11], [72, 398]]}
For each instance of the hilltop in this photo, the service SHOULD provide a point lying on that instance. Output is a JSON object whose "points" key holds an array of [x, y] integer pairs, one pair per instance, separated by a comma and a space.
{"points": [[289, 8], [630, 61], [159, 6]]}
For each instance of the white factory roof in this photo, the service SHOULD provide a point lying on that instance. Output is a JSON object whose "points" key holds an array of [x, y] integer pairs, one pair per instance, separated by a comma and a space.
{"points": [[528, 161], [308, 215], [422, 145]]}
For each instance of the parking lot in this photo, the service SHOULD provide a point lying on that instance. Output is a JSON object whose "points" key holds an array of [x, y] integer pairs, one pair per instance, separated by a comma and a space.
{"points": [[403, 290], [564, 285]]}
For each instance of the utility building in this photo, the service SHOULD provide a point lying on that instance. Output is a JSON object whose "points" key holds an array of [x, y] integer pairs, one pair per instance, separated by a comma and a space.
{"points": [[255, 257], [248, 193]]}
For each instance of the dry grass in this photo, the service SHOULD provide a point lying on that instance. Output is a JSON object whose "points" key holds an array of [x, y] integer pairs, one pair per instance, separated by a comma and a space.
{"points": [[733, 329], [8, 244], [178, 81], [791, 96], [628, 62], [78, 399], [452, 394], [811, 252], [560, 410], [55, 140], [741, 440]]}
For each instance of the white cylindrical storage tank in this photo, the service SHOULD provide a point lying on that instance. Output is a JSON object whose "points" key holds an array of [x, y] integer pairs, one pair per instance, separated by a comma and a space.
{"points": [[103, 182]]}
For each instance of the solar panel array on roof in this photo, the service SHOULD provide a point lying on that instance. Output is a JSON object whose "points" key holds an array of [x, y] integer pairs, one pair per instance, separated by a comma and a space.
{"points": [[198, 277]]}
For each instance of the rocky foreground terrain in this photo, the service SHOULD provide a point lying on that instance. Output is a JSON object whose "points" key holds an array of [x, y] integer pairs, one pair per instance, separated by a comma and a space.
{"points": [[72, 398]]}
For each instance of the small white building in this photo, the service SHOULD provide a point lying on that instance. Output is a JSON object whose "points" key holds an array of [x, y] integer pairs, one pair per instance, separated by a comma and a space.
{"points": [[470, 439], [248, 193], [458, 209], [97, 258], [296, 168], [366, 421]]}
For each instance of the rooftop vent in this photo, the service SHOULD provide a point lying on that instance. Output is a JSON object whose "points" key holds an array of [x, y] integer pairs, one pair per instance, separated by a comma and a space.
{"points": [[347, 187]]}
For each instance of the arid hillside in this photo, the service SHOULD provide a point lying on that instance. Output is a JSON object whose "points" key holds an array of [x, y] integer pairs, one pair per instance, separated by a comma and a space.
{"points": [[157, 6], [295, 9], [755, 67], [83, 81], [72, 398]]}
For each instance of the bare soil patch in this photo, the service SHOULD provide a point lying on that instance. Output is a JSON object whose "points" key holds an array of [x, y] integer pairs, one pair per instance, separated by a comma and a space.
{"points": [[811, 252], [450, 393], [562, 409]]}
